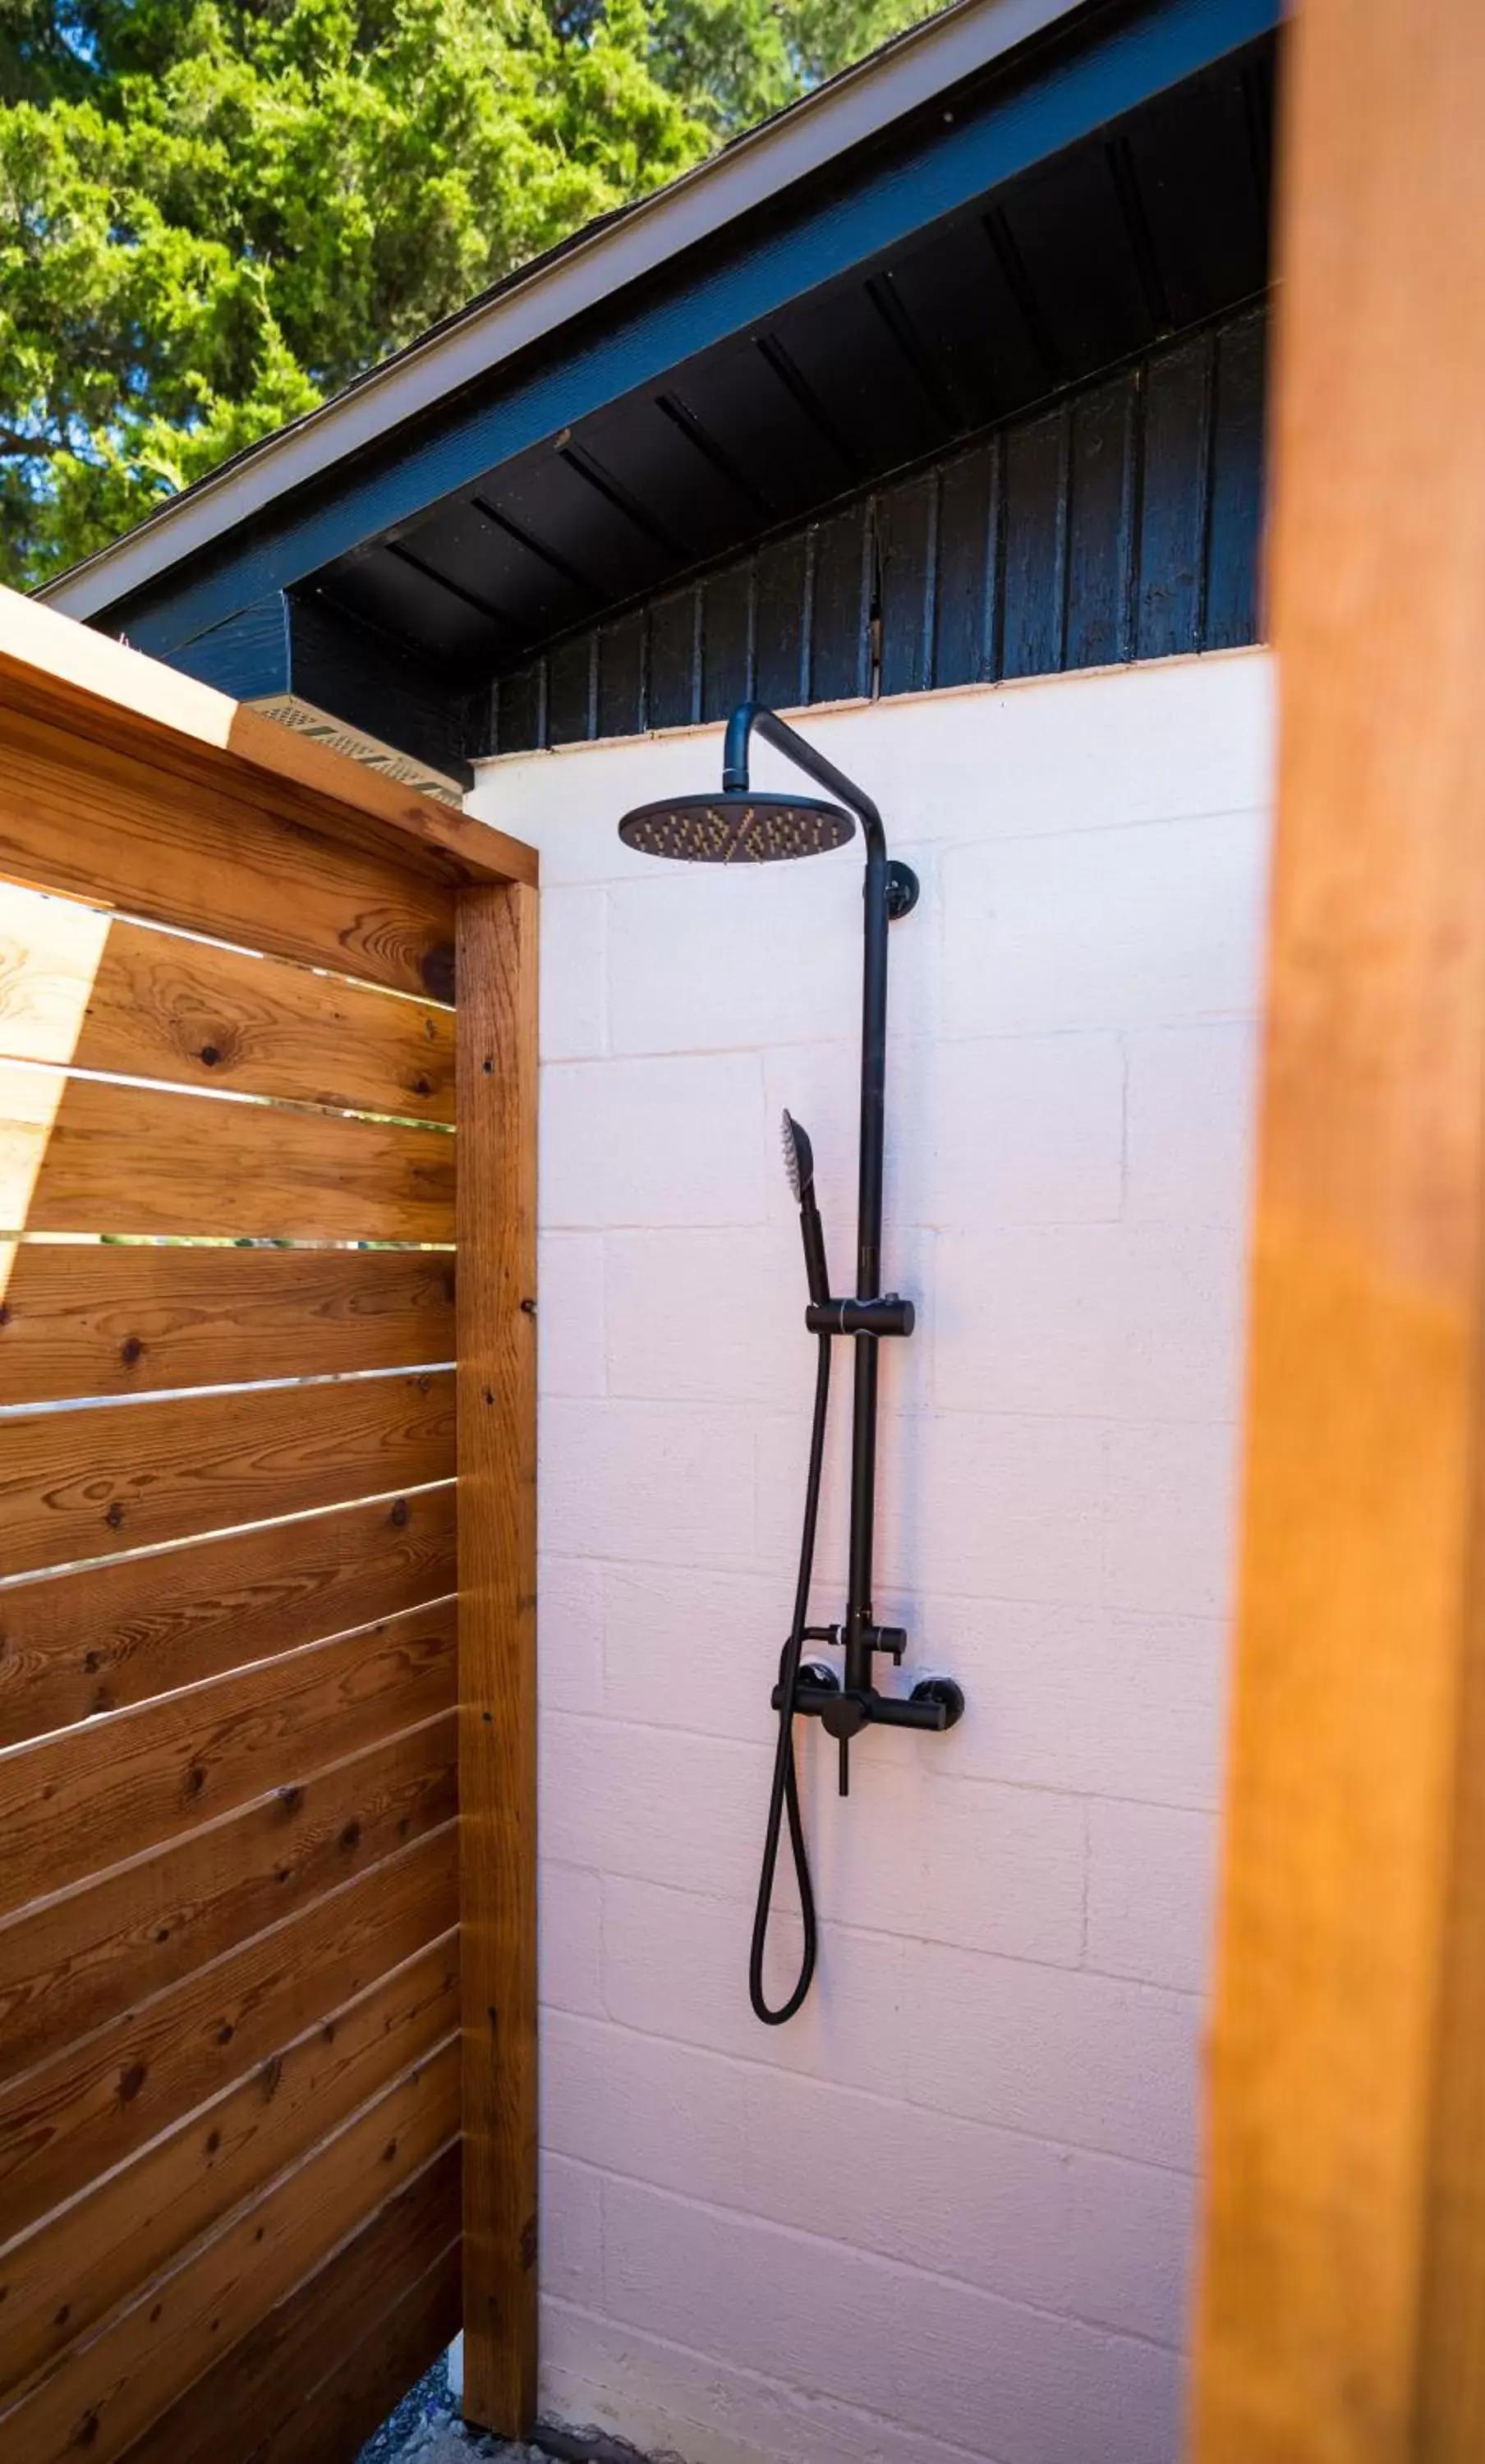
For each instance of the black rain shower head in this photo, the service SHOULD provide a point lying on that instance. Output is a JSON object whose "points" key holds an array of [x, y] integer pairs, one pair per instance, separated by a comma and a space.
{"points": [[735, 826]]}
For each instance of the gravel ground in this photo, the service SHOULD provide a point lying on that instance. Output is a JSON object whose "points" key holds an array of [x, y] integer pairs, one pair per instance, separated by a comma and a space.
{"points": [[425, 2430]]}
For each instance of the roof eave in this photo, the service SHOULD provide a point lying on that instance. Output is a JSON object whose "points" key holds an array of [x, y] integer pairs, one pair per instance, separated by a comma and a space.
{"points": [[754, 169]]}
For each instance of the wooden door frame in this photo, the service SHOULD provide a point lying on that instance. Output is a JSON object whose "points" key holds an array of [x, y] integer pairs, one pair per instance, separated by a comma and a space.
{"points": [[1343, 2307]]}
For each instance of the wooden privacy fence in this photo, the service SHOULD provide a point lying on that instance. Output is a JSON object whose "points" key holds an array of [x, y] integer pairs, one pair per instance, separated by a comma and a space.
{"points": [[242, 1125]]}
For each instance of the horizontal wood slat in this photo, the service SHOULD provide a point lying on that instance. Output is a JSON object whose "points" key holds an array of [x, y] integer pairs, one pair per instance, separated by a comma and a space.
{"points": [[59, 2278], [256, 2390], [83, 1958], [100, 2099], [90, 1154], [79, 988], [175, 843], [72, 1645], [102, 2393], [106, 1319], [335, 2421], [90, 1482], [73, 1804]]}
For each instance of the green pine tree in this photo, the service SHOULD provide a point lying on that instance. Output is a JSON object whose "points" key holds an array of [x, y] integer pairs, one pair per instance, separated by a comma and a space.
{"points": [[214, 213]]}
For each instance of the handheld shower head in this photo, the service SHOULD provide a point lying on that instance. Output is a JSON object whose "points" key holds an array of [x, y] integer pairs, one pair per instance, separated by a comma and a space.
{"points": [[735, 826], [798, 1158]]}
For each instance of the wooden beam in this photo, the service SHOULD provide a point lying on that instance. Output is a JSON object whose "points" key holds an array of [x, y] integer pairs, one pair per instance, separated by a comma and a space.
{"points": [[59, 669], [496, 1113], [1342, 2316]]}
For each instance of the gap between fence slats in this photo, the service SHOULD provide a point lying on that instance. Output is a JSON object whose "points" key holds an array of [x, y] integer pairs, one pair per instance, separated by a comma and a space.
{"points": [[81, 989], [72, 1645], [105, 2391], [92, 1482], [94, 822], [82, 2262], [71, 1963], [95, 1155], [256, 2390], [99, 2101], [74, 1804]]}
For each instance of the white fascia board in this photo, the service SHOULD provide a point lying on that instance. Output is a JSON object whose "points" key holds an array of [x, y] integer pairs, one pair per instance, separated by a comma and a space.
{"points": [[815, 133]]}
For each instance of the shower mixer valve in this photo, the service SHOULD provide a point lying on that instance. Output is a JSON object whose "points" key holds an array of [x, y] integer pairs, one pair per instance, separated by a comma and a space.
{"points": [[843, 1711], [745, 825]]}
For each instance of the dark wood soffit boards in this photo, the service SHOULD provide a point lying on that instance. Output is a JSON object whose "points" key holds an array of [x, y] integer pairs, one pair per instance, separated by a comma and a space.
{"points": [[1122, 521]]}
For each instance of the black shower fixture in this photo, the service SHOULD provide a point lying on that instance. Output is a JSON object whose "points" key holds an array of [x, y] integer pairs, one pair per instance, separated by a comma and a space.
{"points": [[740, 826]]}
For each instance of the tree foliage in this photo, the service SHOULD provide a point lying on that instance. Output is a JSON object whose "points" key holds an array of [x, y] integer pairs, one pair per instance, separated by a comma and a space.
{"points": [[214, 213]]}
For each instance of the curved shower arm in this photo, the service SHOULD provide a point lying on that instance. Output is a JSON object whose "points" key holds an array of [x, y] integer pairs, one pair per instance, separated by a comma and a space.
{"points": [[755, 717]]}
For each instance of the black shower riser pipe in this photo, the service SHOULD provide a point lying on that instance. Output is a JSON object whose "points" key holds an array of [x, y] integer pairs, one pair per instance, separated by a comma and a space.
{"points": [[741, 826]]}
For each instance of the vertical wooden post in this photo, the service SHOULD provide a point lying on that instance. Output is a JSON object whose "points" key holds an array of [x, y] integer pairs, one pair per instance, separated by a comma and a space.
{"points": [[1342, 2316], [497, 1116]]}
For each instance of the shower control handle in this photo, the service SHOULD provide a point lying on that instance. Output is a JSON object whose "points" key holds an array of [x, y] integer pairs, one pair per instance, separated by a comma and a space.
{"points": [[887, 1314], [935, 1705]]}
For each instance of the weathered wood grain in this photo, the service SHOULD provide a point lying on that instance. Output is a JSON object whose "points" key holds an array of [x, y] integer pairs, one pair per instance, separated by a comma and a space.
{"points": [[436, 831], [90, 1482], [72, 1645], [333, 2423], [177, 841], [85, 684], [105, 2391], [496, 1374], [96, 992], [1342, 2316], [82, 1959], [104, 1318], [93, 1155], [103, 2097], [74, 1803], [256, 2390], [68, 2271]]}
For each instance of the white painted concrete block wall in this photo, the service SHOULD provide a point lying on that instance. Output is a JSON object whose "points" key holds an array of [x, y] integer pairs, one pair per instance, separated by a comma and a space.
{"points": [[948, 2211]]}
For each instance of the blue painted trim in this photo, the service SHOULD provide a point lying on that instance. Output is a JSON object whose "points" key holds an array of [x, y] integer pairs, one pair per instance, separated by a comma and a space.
{"points": [[246, 655], [1168, 42]]}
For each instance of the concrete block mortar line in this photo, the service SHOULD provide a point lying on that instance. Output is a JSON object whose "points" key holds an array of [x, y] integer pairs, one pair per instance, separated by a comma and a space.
{"points": [[849, 2092], [1142, 1988], [919, 1934], [823, 2246], [1082, 1959], [828, 2245], [1085, 1797], [873, 2424], [1122, 1041]]}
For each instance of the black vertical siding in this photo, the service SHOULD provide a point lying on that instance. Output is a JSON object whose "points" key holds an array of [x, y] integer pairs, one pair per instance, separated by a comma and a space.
{"points": [[1123, 522], [1100, 527]]}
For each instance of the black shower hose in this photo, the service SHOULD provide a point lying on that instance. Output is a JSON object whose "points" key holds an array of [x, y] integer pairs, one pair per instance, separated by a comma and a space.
{"points": [[784, 1795]]}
